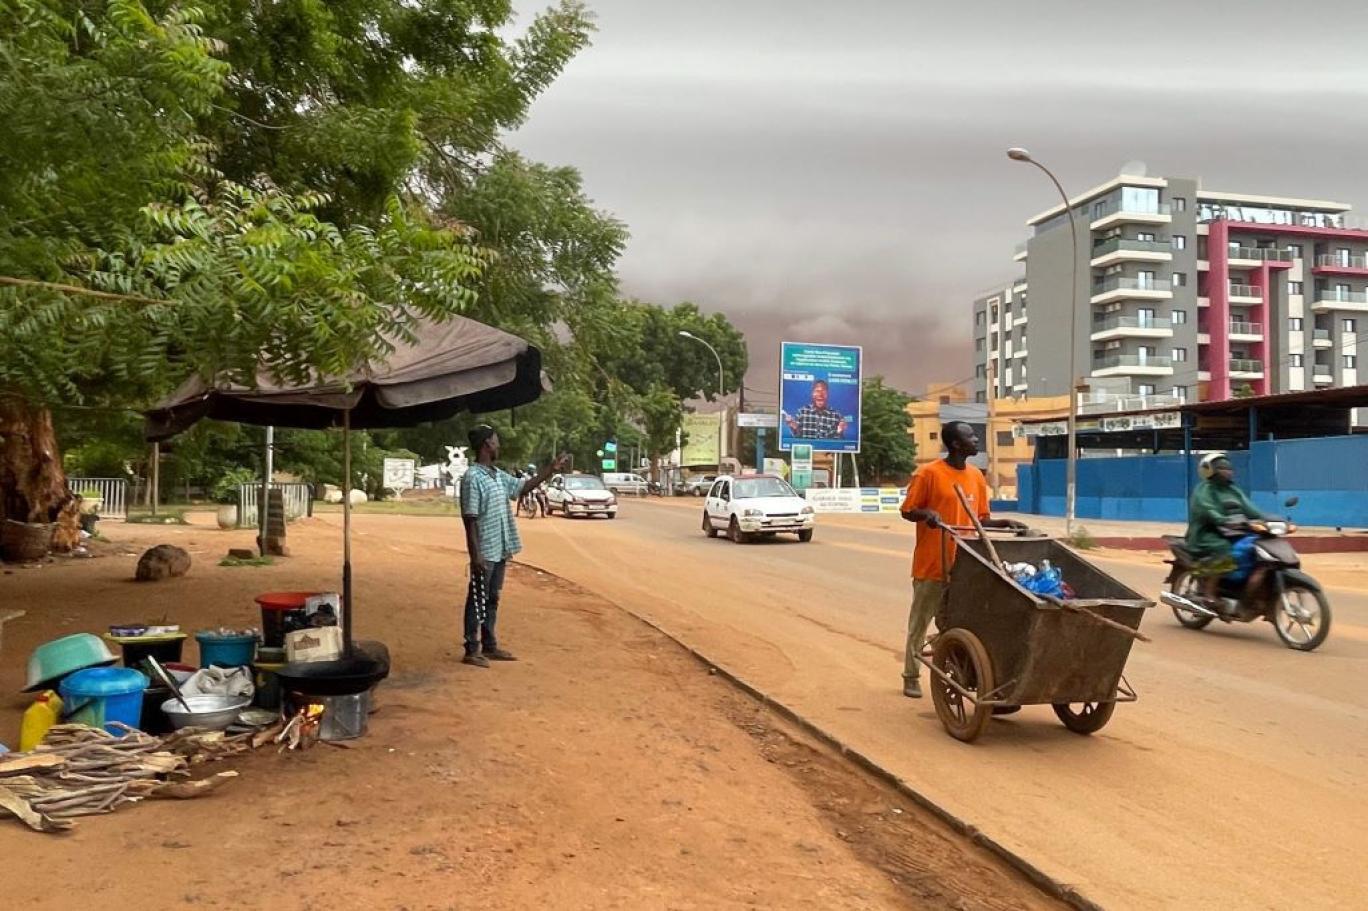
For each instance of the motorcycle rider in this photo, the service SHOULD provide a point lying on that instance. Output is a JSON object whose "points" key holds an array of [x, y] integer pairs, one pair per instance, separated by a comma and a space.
{"points": [[1217, 506]]}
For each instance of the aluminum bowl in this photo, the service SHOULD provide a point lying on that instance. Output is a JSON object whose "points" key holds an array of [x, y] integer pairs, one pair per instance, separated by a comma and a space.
{"points": [[213, 713]]}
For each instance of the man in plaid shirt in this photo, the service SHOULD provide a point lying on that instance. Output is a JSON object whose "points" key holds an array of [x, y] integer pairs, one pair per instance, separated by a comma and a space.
{"points": [[491, 539], [816, 421]]}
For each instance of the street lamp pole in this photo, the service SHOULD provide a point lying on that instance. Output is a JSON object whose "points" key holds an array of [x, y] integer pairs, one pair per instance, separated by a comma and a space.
{"points": [[1071, 476], [720, 386]]}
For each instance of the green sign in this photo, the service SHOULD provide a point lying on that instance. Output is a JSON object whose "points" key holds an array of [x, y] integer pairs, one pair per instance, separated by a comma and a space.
{"points": [[610, 464], [801, 455], [610, 446]]}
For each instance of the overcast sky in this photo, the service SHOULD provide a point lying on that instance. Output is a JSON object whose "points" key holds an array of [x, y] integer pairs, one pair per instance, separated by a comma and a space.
{"points": [[834, 172]]}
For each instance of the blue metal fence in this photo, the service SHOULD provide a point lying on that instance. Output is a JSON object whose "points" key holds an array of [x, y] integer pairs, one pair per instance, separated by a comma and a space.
{"points": [[1329, 475]]}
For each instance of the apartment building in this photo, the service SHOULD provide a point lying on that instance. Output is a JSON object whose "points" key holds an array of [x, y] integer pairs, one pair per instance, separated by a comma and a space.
{"points": [[1182, 294]]}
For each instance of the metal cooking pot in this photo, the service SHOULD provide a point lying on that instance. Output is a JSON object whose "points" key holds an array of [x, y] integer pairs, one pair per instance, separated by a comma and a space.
{"points": [[344, 677]]}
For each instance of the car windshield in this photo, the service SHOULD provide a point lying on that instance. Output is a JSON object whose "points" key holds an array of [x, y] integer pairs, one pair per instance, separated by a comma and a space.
{"points": [[583, 484], [761, 487]]}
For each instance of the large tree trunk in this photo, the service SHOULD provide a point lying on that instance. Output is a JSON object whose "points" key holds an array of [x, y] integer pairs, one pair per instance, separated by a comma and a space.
{"points": [[33, 485]]}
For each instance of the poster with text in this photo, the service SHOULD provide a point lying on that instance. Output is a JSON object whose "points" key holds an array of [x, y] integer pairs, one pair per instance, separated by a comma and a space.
{"points": [[819, 396]]}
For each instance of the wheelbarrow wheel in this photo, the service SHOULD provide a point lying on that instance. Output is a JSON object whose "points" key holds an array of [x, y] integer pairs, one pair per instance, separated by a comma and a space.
{"points": [[960, 655], [1085, 717]]}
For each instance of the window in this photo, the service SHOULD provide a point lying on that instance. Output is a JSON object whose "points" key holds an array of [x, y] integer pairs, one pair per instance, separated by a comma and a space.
{"points": [[1294, 360], [1180, 393], [1180, 279], [1146, 389], [934, 435], [979, 398], [978, 318], [1350, 362], [1004, 438], [1179, 317], [1179, 241], [1144, 317], [980, 371], [1147, 236], [1341, 292], [1294, 324], [1179, 355], [1144, 279], [978, 344], [1349, 325], [994, 317], [1147, 352], [1294, 287], [1295, 250], [1140, 199], [1179, 203], [1342, 256]]}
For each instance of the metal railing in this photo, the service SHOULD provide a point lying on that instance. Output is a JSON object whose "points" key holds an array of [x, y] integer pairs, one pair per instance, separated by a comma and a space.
{"points": [[1102, 402], [1245, 365], [113, 494], [1127, 283], [1323, 370], [1132, 360], [1135, 246], [298, 500], [1321, 335], [1260, 254], [1131, 322], [1343, 262], [1116, 208], [1238, 327], [1337, 296], [1245, 291]]}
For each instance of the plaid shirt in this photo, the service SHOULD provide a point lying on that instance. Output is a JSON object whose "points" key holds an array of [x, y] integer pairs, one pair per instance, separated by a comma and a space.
{"points": [[485, 495], [817, 423]]}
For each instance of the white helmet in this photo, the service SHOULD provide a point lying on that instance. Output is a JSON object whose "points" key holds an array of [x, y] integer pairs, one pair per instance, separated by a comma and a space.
{"points": [[1207, 467]]}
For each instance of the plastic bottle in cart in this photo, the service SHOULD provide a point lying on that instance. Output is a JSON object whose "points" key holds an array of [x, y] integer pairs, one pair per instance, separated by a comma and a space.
{"points": [[38, 719]]}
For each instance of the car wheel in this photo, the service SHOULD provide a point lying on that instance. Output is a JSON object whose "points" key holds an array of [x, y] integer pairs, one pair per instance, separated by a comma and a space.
{"points": [[805, 535], [735, 533], [708, 526]]}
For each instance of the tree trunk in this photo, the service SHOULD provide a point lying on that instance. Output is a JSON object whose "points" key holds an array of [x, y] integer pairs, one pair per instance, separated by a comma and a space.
{"points": [[33, 486]]}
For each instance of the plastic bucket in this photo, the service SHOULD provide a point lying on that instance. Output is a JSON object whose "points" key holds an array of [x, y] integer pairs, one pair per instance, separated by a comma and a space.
{"points": [[225, 651], [99, 696]]}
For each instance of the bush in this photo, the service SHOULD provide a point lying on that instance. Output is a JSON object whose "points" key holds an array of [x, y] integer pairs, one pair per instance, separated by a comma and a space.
{"points": [[1082, 538], [226, 488]]}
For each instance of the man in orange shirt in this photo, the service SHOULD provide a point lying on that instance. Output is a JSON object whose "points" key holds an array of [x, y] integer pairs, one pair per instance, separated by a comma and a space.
{"points": [[932, 502]]}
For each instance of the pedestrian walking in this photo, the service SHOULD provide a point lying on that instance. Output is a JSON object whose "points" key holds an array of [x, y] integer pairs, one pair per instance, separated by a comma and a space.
{"points": [[491, 539], [931, 502]]}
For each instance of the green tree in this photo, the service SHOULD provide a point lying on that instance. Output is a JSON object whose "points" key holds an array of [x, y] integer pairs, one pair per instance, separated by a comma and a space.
{"points": [[887, 452]]}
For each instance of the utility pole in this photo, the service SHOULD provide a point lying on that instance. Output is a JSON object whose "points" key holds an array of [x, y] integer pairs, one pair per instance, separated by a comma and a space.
{"points": [[992, 429]]}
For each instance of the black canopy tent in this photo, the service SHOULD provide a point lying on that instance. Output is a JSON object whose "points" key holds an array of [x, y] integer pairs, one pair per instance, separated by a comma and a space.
{"points": [[451, 367]]}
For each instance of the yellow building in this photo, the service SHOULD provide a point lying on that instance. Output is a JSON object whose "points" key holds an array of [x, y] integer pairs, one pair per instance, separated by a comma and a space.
{"points": [[1003, 450]]}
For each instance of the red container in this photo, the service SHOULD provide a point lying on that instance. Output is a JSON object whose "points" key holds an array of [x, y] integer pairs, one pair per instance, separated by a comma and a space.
{"points": [[275, 607]]}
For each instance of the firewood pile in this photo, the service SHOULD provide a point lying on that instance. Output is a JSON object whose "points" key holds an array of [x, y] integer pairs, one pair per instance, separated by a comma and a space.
{"points": [[83, 771]]}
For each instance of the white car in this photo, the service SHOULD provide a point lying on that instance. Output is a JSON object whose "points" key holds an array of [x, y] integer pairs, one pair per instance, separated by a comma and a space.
{"points": [[580, 495], [748, 506], [620, 483]]}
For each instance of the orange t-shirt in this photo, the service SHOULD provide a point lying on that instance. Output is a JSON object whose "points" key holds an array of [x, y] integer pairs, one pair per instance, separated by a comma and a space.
{"points": [[933, 487]]}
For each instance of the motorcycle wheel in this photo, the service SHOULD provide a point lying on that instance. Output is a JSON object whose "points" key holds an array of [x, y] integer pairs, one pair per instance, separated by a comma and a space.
{"points": [[1188, 586], [1302, 617]]}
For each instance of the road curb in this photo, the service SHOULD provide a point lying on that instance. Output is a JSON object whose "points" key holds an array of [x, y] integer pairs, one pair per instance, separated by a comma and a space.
{"points": [[1042, 880]]}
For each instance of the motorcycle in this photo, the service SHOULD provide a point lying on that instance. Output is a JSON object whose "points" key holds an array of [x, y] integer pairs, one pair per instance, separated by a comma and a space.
{"points": [[1267, 584]]}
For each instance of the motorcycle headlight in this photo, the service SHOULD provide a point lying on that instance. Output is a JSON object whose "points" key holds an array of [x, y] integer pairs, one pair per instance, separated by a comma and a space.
{"points": [[753, 513]]}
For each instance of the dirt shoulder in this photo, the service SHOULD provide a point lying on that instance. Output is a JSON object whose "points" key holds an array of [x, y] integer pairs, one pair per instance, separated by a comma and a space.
{"points": [[607, 769]]}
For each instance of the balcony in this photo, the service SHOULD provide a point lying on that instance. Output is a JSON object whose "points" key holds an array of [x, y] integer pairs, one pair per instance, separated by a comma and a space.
{"points": [[1257, 255], [1019, 253], [1241, 331], [1115, 213], [1246, 368], [1132, 365], [1322, 373], [1245, 294], [1103, 402], [1131, 327], [1336, 299], [1124, 288], [1321, 338], [1120, 249], [1335, 262]]}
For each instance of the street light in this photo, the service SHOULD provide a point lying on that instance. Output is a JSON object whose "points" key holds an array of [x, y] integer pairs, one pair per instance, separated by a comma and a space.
{"points": [[1071, 475], [685, 333]]}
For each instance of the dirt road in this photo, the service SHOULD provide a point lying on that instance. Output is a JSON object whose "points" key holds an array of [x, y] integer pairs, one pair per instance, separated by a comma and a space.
{"points": [[1233, 783], [606, 769]]}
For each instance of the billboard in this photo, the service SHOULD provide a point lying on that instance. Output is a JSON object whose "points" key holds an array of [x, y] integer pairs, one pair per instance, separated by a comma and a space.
{"points": [[399, 474], [819, 396], [700, 447]]}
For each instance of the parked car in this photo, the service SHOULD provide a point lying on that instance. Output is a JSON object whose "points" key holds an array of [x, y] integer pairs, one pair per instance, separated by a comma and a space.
{"points": [[580, 495], [696, 486], [750, 506], [620, 483]]}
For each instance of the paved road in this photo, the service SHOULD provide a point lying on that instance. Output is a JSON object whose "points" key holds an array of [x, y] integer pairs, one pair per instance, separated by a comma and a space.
{"points": [[1235, 781]]}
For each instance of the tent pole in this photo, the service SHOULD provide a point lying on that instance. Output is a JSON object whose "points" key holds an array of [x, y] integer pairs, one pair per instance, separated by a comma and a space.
{"points": [[346, 535]]}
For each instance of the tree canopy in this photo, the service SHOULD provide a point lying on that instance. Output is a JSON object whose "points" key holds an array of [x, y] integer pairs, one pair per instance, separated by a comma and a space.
{"points": [[887, 451]]}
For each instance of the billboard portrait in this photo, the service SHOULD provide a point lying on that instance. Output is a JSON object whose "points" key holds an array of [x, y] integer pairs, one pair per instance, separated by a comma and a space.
{"points": [[819, 396]]}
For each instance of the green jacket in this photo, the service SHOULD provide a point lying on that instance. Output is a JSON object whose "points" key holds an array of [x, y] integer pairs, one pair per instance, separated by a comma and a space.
{"points": [[1213, 503]]}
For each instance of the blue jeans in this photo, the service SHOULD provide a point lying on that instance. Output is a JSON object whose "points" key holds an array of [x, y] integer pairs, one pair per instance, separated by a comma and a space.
{"points": [[482, 608]]}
